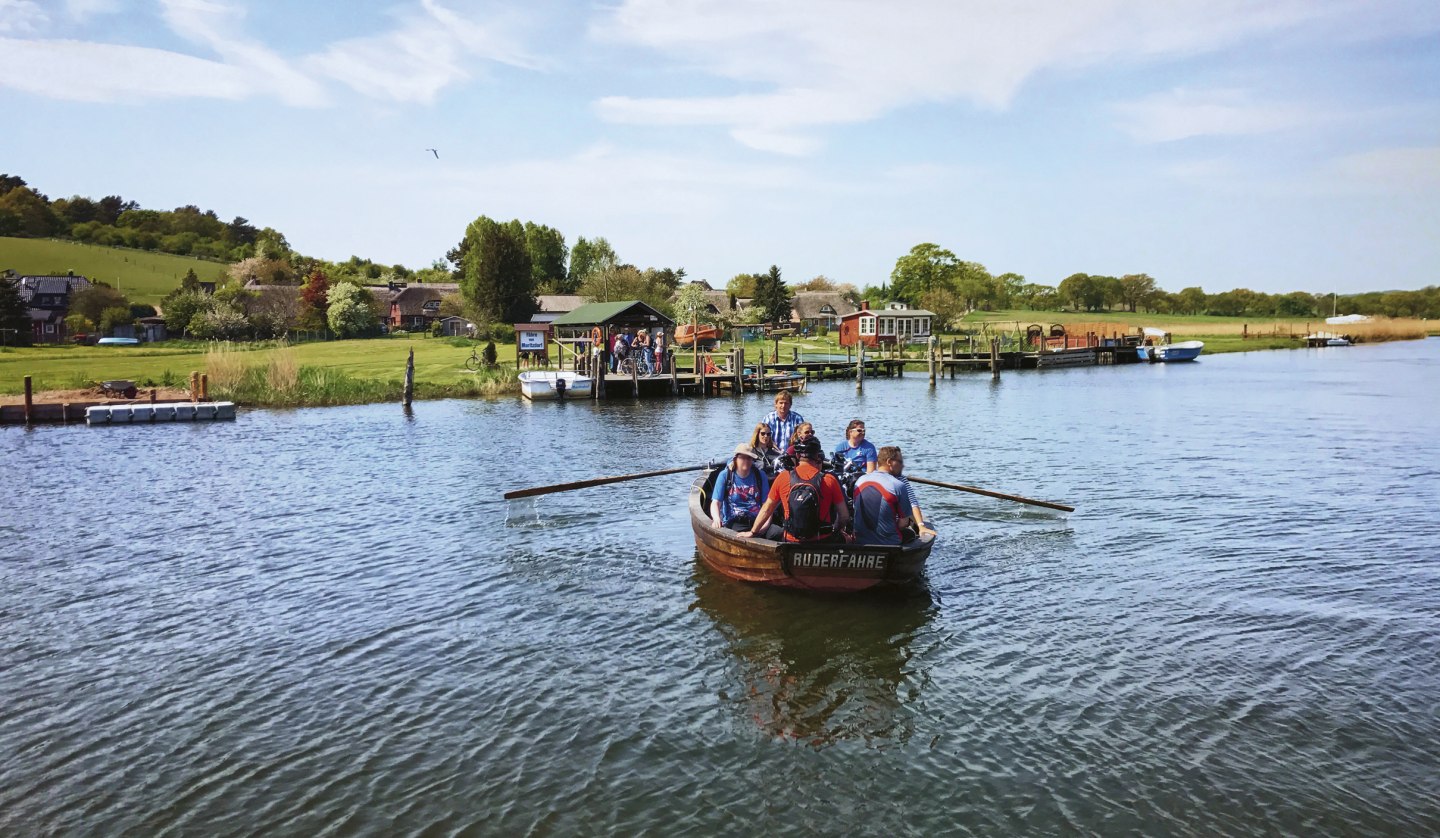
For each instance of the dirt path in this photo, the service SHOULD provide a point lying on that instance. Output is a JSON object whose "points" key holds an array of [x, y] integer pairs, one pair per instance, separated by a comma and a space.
{"points": [[94, 394]]}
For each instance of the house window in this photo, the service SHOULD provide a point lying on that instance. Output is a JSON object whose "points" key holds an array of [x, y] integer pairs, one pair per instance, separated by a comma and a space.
{"points": [[49, 328], [827, 309], [431, 305], [867, 325], [887, 325]]}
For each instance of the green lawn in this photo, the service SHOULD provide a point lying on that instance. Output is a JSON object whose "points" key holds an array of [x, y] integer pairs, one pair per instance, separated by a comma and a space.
{"points": [[437, 362], [142, 276]]}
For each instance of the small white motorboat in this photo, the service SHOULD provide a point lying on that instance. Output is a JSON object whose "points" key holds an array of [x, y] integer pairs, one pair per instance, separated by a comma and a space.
{"points": [[1337, 342], [540, 385], [1187, 350]]}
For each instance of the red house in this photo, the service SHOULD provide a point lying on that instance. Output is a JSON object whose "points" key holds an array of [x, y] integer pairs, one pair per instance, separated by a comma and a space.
{"points": [[896, 323]]}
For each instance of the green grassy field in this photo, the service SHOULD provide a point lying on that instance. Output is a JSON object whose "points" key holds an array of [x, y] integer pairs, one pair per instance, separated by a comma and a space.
{"points": [[439, 367], [142, 276]]}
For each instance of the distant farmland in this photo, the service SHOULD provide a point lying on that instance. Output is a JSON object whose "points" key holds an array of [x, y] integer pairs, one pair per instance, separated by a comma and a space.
{"points": [[142, 276]]}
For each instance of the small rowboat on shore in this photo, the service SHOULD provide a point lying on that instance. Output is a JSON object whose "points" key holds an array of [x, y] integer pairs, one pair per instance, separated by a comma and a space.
{"points": [[816, 567]]}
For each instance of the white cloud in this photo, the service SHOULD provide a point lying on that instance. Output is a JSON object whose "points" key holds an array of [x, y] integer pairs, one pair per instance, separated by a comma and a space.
{"points": [[427, 53], [218, 26], [431, 48], [1180, 114], [21, 17], [1414, 169], [826, 62], [90, 72], [82, 10]]}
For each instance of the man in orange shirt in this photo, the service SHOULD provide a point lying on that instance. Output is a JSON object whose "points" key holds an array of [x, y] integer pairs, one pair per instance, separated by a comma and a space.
{"points": [[813, 501]]}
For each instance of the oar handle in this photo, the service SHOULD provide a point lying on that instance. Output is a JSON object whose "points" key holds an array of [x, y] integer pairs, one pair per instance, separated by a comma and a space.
{"points": [[986, 492], [598, 481]]}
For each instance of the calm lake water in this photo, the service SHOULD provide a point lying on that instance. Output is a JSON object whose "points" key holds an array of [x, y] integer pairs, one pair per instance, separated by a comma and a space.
{"points": [[328, 621]]}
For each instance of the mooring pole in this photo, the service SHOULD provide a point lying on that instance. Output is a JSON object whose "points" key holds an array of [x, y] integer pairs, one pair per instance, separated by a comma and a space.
{"points": [[29, 400], [860, 369], [931, 353], [194, 386], [995, 359], [409, 379]]}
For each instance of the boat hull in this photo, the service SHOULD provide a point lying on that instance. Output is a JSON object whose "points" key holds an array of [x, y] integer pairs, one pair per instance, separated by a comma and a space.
{"points": [[833, 568], [1171, 352], [545, 386], [686, 334]]}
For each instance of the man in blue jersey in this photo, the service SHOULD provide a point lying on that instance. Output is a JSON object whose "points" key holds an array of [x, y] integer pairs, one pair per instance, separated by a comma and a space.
{"points": [[859, 452]]}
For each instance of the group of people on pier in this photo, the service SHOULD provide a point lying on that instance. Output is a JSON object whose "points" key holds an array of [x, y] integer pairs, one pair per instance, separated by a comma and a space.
{"points": [[792, 493], [648, 352]]}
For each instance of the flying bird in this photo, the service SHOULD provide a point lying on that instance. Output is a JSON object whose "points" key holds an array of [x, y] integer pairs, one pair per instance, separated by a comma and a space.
{"points": [[434, 152]]}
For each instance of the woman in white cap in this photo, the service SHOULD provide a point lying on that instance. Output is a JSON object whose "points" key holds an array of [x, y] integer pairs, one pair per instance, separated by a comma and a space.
{"points": [[739, 491]]}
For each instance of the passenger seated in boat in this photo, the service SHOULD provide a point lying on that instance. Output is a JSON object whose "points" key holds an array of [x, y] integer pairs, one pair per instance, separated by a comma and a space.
{"points": [[880, 504], [813, 501], [804, 430], [859, 452], [739, 491], [767, 456]]}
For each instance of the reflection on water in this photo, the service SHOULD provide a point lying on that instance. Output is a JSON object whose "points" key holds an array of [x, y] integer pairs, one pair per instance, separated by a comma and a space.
{"points": [[818, 669]]}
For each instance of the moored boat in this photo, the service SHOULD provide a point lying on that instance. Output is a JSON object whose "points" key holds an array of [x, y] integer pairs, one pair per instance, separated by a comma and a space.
{"points": [[541, 385], [687, 333], [816, 567]]}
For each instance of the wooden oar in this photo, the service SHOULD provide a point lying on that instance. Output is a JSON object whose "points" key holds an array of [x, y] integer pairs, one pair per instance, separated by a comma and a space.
{"points": [[598, 481], [1045, 503]]}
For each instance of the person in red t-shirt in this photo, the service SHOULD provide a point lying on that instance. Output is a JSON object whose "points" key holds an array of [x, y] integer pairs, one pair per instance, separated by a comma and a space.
{"points": [[833, 514]]}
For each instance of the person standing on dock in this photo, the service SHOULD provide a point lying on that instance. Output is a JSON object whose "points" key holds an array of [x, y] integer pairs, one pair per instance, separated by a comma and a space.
{"points": [[782, 421], [858, 451]]}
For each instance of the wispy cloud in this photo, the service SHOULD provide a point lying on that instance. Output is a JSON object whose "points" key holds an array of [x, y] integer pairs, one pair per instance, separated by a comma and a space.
{"points": [[431, 48], [88, 72], [1414, 169], [21, 17], [827, 62], [82, 10], [1180, 114]]}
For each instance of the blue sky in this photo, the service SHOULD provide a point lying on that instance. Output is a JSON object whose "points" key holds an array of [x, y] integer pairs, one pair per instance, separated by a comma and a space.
{"points": [[1281, 145]]}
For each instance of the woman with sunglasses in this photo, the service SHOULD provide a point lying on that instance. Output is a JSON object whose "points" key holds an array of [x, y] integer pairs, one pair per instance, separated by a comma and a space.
{"points": [[767, 454]]}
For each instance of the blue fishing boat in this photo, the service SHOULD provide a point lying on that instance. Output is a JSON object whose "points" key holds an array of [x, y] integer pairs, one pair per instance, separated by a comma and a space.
{"points": [[1159, 352]]}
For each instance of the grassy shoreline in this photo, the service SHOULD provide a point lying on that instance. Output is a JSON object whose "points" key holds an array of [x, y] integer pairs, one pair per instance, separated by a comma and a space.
{"points": [[271, 374]]}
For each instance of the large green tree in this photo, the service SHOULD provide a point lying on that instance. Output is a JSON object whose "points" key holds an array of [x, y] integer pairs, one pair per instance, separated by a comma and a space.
{"points": [[1135, 289], [771, 296], [927, 267], [92, 302], [589, 256], [350, 312], [1191, 300], [15, 329], [497, 279], [548, 255]]}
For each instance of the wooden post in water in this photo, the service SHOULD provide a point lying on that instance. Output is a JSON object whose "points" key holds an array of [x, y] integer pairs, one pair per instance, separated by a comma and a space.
{"points": [[634, 375], [29, 400], [995, 359], [760, 371], [409, 390], [931, 354], [194, 386], [739, 370], [674, 380], [860, 369]]}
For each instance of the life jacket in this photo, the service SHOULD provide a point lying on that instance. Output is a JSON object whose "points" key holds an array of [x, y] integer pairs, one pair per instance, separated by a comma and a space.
{"points": [[802, 506], [877, 514]]}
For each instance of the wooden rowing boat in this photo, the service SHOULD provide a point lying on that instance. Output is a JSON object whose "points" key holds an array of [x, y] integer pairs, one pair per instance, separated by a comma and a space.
{"points": [[687, 333], [816, 567]]}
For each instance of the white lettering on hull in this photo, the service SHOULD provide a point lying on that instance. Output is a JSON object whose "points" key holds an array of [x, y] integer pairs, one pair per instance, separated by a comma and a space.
{"points": [[842, 561]]}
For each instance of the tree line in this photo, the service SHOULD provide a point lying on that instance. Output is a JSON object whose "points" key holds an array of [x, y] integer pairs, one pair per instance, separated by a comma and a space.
{"points": [[934, 278]]}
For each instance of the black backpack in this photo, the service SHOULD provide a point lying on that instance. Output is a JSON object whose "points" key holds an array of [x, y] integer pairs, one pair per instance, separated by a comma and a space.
{"points": [[802, 517]]}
